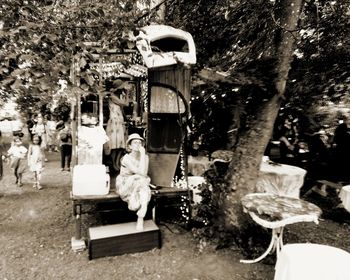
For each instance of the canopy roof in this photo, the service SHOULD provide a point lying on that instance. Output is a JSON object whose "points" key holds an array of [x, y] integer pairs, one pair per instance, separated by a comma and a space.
{"points": [[162, 45]]}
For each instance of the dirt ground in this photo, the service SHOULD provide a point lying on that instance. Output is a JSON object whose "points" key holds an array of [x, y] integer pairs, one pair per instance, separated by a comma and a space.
{"points": [[36, 229]]}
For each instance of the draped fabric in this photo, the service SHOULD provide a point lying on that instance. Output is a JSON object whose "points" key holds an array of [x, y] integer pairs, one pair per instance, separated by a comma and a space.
{"points": [[133, 188]]}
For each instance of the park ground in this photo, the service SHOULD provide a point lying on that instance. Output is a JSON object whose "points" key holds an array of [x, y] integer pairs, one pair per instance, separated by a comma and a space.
{"points": [[37, 225]]}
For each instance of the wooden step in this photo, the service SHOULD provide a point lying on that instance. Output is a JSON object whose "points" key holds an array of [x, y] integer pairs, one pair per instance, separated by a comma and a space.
{"points": [[330, 184], [118, 239]]}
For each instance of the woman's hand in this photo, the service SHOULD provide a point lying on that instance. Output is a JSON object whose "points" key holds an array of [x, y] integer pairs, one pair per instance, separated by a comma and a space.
{"points": [[142, 149]]}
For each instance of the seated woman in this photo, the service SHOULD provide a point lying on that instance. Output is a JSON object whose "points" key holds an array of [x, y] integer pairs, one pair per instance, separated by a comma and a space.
{"points": [[132, 183]]}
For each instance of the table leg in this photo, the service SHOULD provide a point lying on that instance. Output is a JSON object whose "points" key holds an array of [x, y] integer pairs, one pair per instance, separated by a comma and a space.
{"points": [[275, 244], [77, 214], [279, 241], [77, 243]]}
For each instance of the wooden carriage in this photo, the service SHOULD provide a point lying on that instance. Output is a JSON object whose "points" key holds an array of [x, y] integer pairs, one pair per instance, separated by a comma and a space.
{"points": [[153, 83]]}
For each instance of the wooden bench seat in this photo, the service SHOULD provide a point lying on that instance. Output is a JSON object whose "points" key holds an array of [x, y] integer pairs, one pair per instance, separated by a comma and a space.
{"points": [[322, 185], [82, 205]]}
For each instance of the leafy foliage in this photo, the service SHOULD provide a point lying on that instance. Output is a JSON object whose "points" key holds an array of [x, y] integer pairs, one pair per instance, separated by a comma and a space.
{"points": [[228, 34], [237, 38], [320, 77], [39, 39]]}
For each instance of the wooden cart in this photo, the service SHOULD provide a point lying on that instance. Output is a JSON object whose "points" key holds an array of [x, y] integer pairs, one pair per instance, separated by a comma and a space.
{"points": [[153, 89]]}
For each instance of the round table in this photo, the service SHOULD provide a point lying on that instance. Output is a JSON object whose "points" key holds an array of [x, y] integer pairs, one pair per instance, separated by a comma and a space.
{"points": [[275, 212], [280, 179]]}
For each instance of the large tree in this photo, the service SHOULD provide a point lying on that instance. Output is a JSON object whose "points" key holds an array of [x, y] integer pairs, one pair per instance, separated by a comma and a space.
{"points": [[250, 48], [243, 170], [253, 44]]}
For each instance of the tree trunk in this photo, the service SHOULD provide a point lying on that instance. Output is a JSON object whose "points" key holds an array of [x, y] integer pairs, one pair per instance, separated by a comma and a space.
{"points": [[249, 149]]}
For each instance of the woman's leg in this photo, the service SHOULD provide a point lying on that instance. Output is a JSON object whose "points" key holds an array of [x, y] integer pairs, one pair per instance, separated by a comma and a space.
{"points": [[62, 156], [15, 171], [145, 196], [19, 179], [69, 156]]}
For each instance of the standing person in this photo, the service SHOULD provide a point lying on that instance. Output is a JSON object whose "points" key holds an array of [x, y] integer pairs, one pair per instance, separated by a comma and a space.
{"points": [[115, 129], [17, 127], [65, 143], [35, 160], [2, 151], [319, 156], [51, 134], [288, 139], [17, 154], [40, 129], [133, 184], [341, 151], [30, 124], [114, 148]]}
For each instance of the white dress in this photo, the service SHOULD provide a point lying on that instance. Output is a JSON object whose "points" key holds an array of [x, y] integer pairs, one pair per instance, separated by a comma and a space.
{"points": [[115, 129], [35, 158], [133, 188]]}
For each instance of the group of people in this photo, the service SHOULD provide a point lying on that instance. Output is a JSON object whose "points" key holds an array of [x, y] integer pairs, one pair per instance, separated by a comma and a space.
{"points": [[325, 155], [329, 155], [132, 183], [20, 157], [33, 156]]}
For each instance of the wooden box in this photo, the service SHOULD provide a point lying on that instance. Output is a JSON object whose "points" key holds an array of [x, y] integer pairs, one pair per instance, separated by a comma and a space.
{"points": [[118, 239]]}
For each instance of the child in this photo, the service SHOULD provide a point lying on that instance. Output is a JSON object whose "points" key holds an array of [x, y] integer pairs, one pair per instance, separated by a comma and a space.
{"points": [[35, 160], [40, 129], [17, 154]]}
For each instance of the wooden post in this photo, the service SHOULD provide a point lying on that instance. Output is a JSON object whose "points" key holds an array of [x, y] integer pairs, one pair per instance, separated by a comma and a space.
{"points": [[100, 94]]}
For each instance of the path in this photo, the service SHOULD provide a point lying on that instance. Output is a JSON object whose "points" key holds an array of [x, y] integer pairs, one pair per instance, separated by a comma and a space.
{"points": [[36, 228]]}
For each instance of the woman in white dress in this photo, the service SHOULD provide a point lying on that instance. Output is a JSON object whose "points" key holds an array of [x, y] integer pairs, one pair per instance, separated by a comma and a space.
{"points": [[133, 183], [115, 129]]}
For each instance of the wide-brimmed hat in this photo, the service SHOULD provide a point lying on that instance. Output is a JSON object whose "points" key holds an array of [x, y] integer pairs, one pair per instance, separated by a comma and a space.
{"points": [[133, 137], [119, 84]]}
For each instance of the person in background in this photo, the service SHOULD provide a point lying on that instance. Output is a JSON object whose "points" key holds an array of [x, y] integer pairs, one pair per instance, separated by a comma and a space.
{"points": [[65, 142], [288, 138], [40, 129], [30, 124], [35, 160], [2, 152], [51, 134], [341, 151], [319, 156], [17, 154], [132, 183], [17, 126]]}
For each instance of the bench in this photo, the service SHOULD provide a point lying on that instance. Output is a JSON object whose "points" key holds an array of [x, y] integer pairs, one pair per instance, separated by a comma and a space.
{"points": [[322, 185], [81, 206]]}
